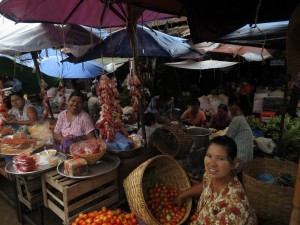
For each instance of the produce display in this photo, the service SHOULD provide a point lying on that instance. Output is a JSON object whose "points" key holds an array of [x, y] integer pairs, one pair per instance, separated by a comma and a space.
{"points": [[106, 216], [90, 146], [160, 204], [24, 163]]}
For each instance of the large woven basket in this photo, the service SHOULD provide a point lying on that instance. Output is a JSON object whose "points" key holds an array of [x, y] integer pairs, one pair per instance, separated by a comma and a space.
{"points": [[166, 169], [172, 140], [270, 201]]}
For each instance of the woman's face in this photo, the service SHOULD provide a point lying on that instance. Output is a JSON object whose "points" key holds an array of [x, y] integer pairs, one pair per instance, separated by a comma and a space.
{"points": [[75, 104], [17, 102], [216, 161], [221, 112]]}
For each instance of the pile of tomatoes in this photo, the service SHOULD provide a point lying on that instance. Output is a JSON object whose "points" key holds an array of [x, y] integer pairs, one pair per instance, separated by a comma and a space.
{"points": [[161, 207], [106, 217]]}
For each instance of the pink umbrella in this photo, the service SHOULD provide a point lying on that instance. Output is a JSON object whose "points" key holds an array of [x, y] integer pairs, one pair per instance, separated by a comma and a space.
{"points": [[88, 12]]}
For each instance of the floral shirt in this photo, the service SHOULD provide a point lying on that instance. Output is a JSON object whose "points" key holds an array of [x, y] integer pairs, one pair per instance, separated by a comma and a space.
{"points": [[81, 125], [230, 207]]}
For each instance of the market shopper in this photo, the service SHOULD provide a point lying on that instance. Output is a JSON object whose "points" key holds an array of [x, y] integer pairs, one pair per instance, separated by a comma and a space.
{"points": [[220, 119], [22, 112], [73, 124], [240, 131], [222, 197], [194, 116], [162, 107]]}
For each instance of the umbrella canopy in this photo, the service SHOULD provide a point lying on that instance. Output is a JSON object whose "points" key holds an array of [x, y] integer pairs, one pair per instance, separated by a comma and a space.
{"points": [[91, 13], [247, 52], [267, 35], [19, 38], [202, 65], [150, 43], [53, 67], [30, 82]]}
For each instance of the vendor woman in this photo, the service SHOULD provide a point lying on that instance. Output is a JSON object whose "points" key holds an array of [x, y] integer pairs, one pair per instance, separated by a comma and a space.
{"points": [[73, 124], [22, 112]]}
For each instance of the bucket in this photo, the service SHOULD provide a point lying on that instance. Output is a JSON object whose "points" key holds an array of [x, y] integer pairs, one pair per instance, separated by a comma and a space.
{"points": [[200, 136]]}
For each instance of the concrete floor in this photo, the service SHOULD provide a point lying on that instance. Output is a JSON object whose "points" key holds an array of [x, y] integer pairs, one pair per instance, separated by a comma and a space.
{"points": [[9, 213]]}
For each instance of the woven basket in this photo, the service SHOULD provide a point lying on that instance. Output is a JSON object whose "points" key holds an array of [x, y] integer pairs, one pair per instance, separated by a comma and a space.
{"points": [[171, 140], [91, 159], [270, 201], [166, 169]]}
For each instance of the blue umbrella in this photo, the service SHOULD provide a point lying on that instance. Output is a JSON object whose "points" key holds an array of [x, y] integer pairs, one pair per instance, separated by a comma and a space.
{"points": [[150, 43], [53, 66]]}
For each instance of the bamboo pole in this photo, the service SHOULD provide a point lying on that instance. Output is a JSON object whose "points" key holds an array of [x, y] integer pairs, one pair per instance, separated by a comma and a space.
{"points": [[295, 216]]}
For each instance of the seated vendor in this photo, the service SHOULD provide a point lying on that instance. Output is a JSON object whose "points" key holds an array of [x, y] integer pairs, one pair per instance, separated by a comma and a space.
{"points": [[73, 124], [194, 116], [22, 113], [221, 119]]}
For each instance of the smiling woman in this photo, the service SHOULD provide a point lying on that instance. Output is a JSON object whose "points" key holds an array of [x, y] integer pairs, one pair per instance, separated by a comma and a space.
{"points": [[223, 199], [73, 124]]}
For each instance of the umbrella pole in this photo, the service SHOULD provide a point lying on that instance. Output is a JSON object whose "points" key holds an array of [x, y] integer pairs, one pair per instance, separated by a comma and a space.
{"points": [[295, 216], [39, 75]]}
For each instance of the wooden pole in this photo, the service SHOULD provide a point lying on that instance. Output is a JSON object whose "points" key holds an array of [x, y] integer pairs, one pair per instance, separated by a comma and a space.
{"points": [[295, 216]]}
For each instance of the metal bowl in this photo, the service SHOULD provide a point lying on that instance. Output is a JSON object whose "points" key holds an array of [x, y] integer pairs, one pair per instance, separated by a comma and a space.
{"points": [[124, 154]]}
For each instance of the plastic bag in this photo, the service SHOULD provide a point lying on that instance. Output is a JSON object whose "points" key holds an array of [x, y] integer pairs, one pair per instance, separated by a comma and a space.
{"points": [[265, 144], [41, 132]]}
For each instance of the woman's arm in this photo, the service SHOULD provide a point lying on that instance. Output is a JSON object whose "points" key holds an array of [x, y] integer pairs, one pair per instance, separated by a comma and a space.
{"points": [[57, 137], [194, 191], [32, 115], [91, 135]]}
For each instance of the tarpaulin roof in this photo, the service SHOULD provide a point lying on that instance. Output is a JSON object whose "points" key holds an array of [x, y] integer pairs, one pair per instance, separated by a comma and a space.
{"points": [[20, 38], [211, 19], [201, 65], [268, 35]]}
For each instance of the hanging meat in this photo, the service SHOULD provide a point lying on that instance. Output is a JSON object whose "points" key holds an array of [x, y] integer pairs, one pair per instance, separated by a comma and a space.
{"points": [[3, 114], [134, 91], [109, 121], [61, 91], [44, 96]]}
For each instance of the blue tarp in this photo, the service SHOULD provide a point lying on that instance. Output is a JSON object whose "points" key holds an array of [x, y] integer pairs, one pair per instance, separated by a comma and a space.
{"points": [[151, 43]]}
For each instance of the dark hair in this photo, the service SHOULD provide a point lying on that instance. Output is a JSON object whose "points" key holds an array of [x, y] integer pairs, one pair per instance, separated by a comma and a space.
{"points": [[196, 102], [149, 118], [18, 93], [224, 107], [228, 144], [77, 93], [238, 105]]}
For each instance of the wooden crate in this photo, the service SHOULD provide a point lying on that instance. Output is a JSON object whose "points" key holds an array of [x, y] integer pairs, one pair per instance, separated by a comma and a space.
{"points": [[68, 197], [29, 189]]}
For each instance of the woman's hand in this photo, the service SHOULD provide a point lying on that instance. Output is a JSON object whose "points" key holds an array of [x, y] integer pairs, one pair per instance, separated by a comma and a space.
{"points": [[177, 201]]}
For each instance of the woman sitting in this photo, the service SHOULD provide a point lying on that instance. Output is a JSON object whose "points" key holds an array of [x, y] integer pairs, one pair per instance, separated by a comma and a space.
{"points": [[22, 112], [73, 124], [222, 197], [221, 119]]}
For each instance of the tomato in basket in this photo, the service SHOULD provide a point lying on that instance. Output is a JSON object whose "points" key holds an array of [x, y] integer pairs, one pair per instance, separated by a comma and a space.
{"points": [[159, 203]]}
